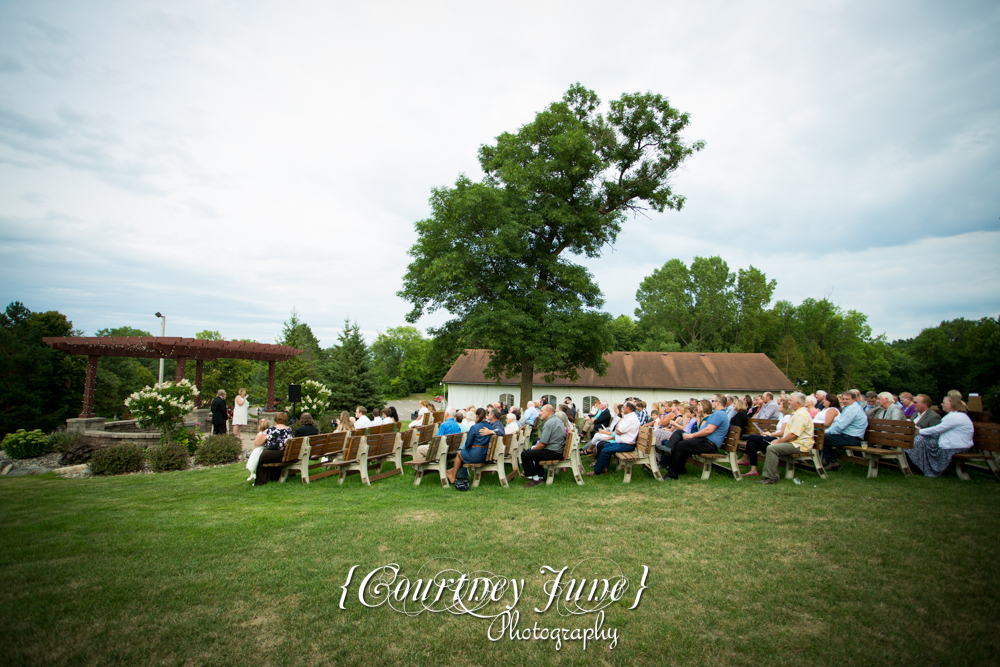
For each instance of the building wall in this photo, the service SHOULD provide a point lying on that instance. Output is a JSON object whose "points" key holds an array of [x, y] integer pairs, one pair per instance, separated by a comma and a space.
{"points": [[462, 395]]}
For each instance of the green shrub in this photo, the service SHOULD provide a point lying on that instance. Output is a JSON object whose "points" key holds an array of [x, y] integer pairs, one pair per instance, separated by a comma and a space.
{"points": [[77, 453], [171, 456], [116, 460], [217, 449], [190, 439], [60, 442], [26, 444]]}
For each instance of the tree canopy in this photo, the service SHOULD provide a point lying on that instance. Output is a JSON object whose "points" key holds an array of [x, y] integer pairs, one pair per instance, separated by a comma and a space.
{"points": [[497, 254]]}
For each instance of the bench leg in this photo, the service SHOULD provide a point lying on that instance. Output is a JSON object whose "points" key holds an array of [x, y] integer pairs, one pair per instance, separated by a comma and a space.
{"points": [[478, 475], [706, 469], [737, 473], [628, 472], [818, 462], [550, 475], [961, 472], [904, 465], [284, 476], [341, 477], [364, 474], [992, 463], [502, 473], [872, 466], [417, 476], [790, 468]]}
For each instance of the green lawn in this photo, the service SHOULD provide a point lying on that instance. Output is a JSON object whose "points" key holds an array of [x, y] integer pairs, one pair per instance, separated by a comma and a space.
{"points": [[199, 568]]}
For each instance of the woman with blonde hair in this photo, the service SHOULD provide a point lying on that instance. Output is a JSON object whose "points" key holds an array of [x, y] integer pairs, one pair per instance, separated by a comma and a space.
{"points": [[255, 454]]}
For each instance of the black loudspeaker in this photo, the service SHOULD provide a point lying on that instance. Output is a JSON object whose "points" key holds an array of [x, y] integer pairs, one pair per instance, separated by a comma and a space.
{"points": [[294, 393]]}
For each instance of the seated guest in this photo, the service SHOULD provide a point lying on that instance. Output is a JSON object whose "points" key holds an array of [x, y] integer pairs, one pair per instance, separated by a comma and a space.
{"points": [[572, 408], [511, 426], [706, 440], [448, 427], [607, 434], [625, 434], [871, 398], [476, 443], [360, 418], [846, 430], [602, 419], [530, 415], [925, 416], [641, 413], [425, 407], [550, 446], [308, 426], [739, 417], [906, 401], [798, 437], [769, 408], [393, 415], [669, 423], [468, 419], [830, 411], [727, 401], [811, 407], [254, 457], [344, 422], [273, 441], [820, 395], [757, 443], [934, 446], [755, 408], [376, 417], [886, 408]]}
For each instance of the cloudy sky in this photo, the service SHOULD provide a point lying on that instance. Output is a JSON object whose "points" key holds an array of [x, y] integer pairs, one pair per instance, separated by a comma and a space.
{"points": [[224, 162]]}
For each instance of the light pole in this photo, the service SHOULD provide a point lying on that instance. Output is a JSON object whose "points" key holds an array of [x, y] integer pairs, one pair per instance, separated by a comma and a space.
{"points": [[163, 332]]}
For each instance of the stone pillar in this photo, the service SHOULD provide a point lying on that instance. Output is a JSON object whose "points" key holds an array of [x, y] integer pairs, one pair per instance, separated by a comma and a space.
{"points": [[270, 386], [181, 368], [90, 384], [198, 368]]}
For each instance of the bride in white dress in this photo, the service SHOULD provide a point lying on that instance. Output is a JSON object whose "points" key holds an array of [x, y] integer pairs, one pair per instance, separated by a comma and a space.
{"points": [[241, 409]]}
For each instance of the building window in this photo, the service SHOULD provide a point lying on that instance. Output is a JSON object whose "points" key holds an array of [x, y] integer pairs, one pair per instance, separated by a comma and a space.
{"points": [[507, 399], [589, 402], [551, 399]]}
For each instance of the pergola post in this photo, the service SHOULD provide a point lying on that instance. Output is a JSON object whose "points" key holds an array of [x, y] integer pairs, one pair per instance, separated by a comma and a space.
{"points": [[270, 385], [181, 368], [89, 386], [198, 368]]}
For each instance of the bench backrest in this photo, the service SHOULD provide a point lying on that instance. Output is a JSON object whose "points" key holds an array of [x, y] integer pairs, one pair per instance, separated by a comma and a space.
{"points": [[986, 436], [439, 417], [293, 449], [382, 445], [819, 434], [732, 441], [455, 441], [890, 433], [570, 439], [758, 426], [644, 438], [526, 431], [424, 434], [407, 438], [353, 446], [427, 418], [508, 443], [491, 451]]}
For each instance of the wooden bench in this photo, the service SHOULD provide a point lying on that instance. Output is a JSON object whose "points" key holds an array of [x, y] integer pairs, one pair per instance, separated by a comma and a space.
{"points": [[295, 458], [365, 454], [570, 461], [727, 454], [438, 417], [419, 435], [758, 427], [887, 440], [644, 454], [439, 449], [985, 449], [329, 446], [811, 460], [495, 461]]}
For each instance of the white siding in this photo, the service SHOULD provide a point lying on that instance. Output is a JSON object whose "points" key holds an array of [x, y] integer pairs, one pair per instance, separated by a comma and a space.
{"points": [[462, 395]]}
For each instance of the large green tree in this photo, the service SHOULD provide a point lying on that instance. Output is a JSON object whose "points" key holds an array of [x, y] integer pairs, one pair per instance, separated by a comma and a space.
{"points": [[497, 254], [401, 358], [349, 373]]}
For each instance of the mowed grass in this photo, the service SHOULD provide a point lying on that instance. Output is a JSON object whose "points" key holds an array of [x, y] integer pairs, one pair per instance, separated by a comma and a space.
{"points": [[200, 568]]}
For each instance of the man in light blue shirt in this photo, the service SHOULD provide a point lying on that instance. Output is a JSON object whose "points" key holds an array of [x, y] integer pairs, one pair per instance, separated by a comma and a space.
{"points": [[845, 431], [730, 407], [770, 408], [530, 415], [449, 426]]}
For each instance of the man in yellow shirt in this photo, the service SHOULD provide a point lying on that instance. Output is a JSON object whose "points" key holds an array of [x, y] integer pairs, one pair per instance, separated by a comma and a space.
{"points": [[798, 437]]}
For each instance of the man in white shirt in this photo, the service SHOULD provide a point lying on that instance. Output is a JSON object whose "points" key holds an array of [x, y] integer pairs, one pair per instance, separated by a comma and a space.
{"points": [[376, 417], [626, 433], [360, 420]]}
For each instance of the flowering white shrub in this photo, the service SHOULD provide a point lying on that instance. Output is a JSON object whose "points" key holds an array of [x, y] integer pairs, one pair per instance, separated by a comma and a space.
{"points": [[315, 399], [163, 406]]}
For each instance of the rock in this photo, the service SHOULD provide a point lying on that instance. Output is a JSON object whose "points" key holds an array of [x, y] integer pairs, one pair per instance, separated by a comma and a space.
{"points": [[71, 470], [33, 470], [6, 468]]}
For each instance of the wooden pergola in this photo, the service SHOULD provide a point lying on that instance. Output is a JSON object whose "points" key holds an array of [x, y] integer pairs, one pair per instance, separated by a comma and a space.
{"points": [[180, 349]]}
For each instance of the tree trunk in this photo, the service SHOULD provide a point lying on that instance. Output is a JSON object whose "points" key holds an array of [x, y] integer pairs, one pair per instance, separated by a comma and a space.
{"points": [[527, 380]]}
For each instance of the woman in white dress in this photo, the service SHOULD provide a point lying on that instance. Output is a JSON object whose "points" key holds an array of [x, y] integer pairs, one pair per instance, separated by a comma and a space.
{"points": [[240, 411], [255, 454]]}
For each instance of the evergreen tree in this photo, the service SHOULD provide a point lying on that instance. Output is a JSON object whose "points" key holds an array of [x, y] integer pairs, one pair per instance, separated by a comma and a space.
{"points": [[349, 373]]}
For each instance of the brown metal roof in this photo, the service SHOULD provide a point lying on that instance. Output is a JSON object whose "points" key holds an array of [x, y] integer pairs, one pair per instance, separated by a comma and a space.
{"points": [[157, 347], [651, 370]]}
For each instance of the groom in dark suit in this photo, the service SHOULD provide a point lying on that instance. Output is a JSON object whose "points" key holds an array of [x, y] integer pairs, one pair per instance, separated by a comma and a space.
{"points": [[925, 416], [219, 413]]}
